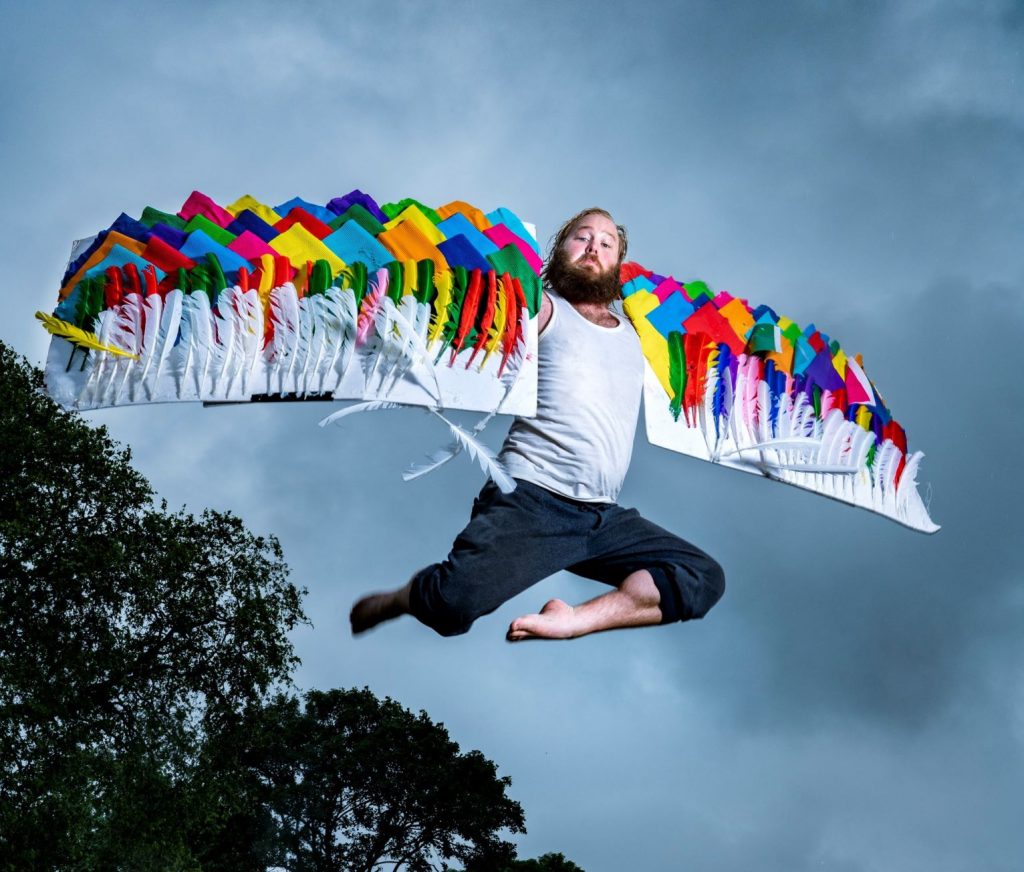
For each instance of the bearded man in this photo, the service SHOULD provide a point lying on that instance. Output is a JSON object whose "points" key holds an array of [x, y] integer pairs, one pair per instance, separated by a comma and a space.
{"points": [[569, 463]]}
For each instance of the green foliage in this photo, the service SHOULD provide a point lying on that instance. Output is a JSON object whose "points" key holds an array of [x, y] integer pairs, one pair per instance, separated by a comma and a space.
{"points": [[544, 863], [352, 782], [142, 727], [128, 635]]}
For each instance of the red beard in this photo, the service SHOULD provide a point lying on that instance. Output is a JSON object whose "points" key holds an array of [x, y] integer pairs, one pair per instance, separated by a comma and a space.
{"points": [[579, 284]]}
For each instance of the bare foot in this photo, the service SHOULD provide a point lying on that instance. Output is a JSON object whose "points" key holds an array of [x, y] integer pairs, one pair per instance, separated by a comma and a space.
{"points": [[557, 620], [377, 608]]}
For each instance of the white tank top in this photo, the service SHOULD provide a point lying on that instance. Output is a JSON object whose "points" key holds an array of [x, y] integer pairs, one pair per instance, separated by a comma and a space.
{"points": [[589, 383]]}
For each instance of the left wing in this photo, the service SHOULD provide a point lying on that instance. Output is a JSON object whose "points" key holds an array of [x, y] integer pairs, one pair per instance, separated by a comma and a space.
{"points": [[746, 388]]}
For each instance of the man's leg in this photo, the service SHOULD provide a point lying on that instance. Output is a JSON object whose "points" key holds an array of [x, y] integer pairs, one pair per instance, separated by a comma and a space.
{"points": [[376, 608], [634, 603], [511, 542], [658, 578]]}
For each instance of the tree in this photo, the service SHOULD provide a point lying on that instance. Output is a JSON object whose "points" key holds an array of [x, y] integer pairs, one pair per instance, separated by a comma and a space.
{"points": [[358, 783], [129, 636], [544, 863]]}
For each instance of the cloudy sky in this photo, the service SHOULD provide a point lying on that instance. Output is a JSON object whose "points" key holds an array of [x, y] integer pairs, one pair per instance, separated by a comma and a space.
{"points": [[856, 701]]}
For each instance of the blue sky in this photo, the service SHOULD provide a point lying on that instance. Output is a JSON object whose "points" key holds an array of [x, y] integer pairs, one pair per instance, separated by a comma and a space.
{"points": [[856, 701]]}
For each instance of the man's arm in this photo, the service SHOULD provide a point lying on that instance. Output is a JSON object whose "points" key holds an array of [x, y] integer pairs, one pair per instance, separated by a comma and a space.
{"points": [[545, 312]]}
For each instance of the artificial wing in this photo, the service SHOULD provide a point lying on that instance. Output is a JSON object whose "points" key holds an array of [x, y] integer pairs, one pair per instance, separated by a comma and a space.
{"points": [[746, 388], [397, 302]]}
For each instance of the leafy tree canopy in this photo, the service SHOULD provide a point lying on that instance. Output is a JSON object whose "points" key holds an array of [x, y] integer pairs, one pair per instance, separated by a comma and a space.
{"points": [[143, 726], [354, 782], [128, 633]]}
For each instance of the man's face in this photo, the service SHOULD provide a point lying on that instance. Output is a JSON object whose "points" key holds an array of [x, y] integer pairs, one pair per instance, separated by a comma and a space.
{"points": [[585, 269], [593, 244]]}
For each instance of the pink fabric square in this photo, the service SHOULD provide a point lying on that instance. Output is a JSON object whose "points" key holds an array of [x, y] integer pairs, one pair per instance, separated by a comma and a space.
{"points": [[722, 298], [199, 204], [501, 236], [250, 246], [666, 289]]}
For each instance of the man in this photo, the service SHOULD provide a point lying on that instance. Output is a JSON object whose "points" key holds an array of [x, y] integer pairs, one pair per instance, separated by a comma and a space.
{"points": [[569, 464]]}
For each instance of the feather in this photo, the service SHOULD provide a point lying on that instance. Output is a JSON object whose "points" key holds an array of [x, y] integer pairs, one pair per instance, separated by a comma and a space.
{"points": [[378, 287], [481, 454], [722, 402], [676, 372], [128, 333], [252, 332], [441, 456], [443, 283], [501, 313], [153, 315], [776, 445], [349, 314], [407, 344], [514, 321], [200, 318], [284, 315], [356, 408], [435, 460], [467, 317], [484, 330], [79, 337]]}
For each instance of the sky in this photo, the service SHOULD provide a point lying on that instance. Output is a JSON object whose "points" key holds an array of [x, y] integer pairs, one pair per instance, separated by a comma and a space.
{"points": [[856, 700]]}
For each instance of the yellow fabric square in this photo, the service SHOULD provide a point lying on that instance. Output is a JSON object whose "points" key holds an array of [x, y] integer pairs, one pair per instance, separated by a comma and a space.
{"points": [[253, 205], [412, 215], [299, 245], [638, 306], [839, 362]]}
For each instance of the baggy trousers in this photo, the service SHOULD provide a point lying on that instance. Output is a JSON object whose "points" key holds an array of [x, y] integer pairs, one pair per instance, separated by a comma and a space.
{"points": [[514, 540]]}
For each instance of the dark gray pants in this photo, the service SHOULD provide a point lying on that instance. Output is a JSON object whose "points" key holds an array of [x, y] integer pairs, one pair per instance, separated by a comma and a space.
{"points": [[514, 540]]}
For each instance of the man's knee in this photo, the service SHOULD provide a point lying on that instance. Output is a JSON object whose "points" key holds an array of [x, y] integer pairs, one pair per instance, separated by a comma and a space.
{"points": [[689, 591], [438, 601], [714, 585]]}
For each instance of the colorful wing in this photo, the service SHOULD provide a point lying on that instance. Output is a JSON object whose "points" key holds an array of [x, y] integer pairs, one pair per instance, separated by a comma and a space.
{"points": [[749, 389], [346, 300]]}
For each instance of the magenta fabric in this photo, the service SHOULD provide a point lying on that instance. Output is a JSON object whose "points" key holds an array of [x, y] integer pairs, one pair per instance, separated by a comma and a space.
{"points": [[501, 236], [199, 204], [666, 289], [250, 246]]}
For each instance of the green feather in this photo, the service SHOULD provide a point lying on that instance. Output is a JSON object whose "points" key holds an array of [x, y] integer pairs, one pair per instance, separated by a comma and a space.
{"points": [[395, 281], [425, 290], [217, 279], [320, 278], [676, 371]]}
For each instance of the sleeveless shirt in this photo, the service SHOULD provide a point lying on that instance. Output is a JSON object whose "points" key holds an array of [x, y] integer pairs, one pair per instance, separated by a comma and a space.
{"points": [[589, 383]]}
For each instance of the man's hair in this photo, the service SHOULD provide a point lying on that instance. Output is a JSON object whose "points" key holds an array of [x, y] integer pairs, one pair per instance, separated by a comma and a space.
{"points": [[563, 233]]}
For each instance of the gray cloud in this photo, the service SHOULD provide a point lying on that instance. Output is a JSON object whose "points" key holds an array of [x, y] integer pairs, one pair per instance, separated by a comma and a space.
{"points": [[855, 701]]}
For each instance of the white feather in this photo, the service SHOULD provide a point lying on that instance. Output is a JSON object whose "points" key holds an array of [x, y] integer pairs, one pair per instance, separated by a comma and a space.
{"points": [[371, 406], [481, 454]]}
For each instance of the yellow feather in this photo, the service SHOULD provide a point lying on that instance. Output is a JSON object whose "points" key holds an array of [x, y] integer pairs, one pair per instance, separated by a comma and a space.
{"points": [[443, 283], [497, 327], [78, 336]]}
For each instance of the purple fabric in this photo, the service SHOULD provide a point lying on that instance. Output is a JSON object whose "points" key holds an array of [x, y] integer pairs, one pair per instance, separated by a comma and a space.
{"points": [[249, 220], [171, 235], [340, 205], [822, 373], [459, 251]]}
